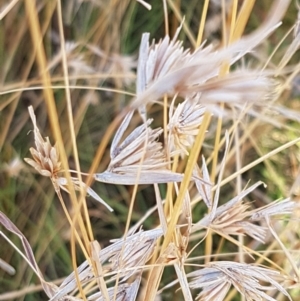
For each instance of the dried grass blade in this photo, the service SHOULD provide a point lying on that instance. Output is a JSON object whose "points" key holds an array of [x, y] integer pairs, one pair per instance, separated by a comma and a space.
{"points": [[95, 250], [183, 282], [49, 288], [141, 81], [160, 209], [284, 249], [63, 184], [7, 267]]}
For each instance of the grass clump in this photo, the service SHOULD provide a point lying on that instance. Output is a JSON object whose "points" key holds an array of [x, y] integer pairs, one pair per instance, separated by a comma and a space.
{"points": [[186, 152]]}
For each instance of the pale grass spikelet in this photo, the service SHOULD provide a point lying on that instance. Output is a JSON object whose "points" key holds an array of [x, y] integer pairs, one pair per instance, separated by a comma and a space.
{"points": [[160, 61], [286, 206], [157, 60], [239, 87], [111, 259], [216, 278], [184, 123], [188, 74], [233, 218], [124, 291], [138, 159], [177, 252], [45, 156], [122, 65], [204, 187], [46, 162], [294, 45], [77, 63], [115, 64], [144, 148], [170, 69], [14, 167], [133, 255], [212, 202], [296, 32]]}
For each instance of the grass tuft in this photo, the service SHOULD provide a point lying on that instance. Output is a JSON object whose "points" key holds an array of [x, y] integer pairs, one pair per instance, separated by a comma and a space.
{"points": [[175, 162]]}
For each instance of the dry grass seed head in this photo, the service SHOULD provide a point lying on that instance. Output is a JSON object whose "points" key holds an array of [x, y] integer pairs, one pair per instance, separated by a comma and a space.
{"points": [[115, 64], [234, 222], [77, 62], [239, 87], [204, 187], [286, 206], [172, 70], [115, 258], [139, 159], [233, 218], [183, 126], [133, 256], [45, 156], [46, 162], [249, 280], [141, 146]]}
